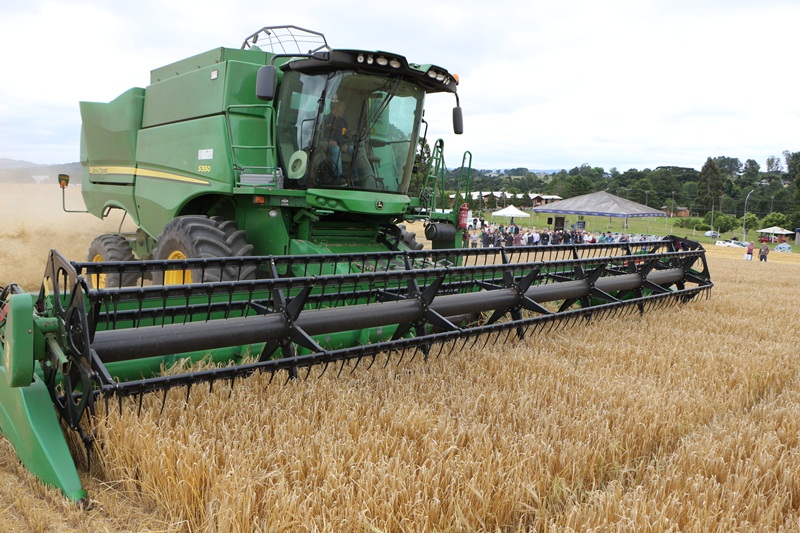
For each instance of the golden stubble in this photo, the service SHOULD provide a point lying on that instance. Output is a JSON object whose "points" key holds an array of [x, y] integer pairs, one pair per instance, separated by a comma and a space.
{"points": [[683, 419]]}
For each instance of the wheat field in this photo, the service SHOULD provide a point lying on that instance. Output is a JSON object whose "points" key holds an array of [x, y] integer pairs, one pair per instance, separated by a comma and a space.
{"points": [[684, 419]]}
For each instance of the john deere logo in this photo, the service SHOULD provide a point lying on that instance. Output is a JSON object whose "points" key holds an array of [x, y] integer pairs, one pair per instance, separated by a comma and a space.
{"points": [[378, 204]]}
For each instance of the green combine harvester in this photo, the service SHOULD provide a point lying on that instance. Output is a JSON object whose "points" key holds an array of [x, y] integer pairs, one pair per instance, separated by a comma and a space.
{"points": [[270, 188]]}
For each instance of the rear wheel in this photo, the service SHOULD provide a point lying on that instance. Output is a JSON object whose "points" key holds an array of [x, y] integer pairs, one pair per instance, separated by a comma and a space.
{"points": [[111, 247], [197, 236]]}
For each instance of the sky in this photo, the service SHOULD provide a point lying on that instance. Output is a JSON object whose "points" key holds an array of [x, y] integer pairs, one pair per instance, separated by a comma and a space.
{"points": [[544, 84]]}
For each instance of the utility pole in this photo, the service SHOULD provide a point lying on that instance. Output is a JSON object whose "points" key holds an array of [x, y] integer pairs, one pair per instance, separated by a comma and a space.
{"points": [[744, 217], [712, 214]]}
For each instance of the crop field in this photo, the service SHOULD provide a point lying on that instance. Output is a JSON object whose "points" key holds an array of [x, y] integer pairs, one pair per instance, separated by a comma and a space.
{"points": [[682, 419]]}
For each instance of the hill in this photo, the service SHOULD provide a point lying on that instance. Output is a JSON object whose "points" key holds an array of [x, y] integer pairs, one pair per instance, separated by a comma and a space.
{"points": [[15, 171]]}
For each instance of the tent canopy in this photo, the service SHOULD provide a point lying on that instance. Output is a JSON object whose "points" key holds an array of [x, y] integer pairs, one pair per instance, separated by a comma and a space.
{"points": [[600, 204], [510, 211], [775, 230]]}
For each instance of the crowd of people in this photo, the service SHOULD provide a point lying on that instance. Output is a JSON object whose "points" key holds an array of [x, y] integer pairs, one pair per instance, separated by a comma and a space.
{"points": [[494, 235]]}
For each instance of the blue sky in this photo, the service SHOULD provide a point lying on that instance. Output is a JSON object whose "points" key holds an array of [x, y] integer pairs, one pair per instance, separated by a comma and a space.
{"points": [[544, 84]]}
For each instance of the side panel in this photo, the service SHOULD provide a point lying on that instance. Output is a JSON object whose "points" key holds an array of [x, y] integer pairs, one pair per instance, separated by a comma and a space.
{"points": [[108, 151], [269, 235], [29, 422], [177, 163]]}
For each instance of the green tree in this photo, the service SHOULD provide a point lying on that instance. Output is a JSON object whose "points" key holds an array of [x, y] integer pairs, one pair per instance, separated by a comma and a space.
{"points": [[774, 164], [577, 185], [730, 166], [751, 171], [749, 221], [725, 223], [792, 163], [775, 219], [709, 186], [795, 215]]}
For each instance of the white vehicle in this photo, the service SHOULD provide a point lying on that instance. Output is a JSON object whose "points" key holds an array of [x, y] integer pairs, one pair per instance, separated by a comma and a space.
{"points": [[732, 244]]}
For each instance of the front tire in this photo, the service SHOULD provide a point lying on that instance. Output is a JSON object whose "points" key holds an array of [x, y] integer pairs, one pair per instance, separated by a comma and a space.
{"points": [[111, 247], [197, 236]]}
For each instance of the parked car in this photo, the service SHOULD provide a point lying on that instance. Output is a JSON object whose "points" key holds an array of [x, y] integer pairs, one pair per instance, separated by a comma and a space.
{"points": [[783, 247], [732, 244], [712, 233], [770, 239]]}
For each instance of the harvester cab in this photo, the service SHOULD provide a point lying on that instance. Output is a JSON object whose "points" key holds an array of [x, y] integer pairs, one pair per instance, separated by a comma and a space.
{"points": [[285, 152], [270, 241]]}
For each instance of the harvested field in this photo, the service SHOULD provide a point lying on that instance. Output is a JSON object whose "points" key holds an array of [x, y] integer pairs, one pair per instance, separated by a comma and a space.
{"points": [[685, 419]]}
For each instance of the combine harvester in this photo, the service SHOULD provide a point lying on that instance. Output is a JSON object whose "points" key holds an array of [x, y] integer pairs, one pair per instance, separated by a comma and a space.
{"points": [[270, 239]]}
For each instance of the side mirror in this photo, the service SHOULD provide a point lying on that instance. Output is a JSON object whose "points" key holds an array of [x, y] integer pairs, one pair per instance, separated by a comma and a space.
{"points": [[267, 82], [458, 121], [63, 180]]}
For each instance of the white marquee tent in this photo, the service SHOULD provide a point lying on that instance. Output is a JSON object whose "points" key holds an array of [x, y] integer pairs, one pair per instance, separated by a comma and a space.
{"points": [[510, 211]]}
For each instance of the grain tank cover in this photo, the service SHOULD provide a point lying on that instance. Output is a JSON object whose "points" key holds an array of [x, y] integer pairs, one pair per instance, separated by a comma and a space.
{"points": [[202, 85], [207, 59]]}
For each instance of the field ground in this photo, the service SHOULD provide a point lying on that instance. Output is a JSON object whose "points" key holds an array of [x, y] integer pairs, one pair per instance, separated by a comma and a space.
{"points": [[684, 419]]}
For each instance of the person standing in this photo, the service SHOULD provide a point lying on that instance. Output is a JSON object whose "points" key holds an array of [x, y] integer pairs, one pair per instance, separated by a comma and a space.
{"points": [[749, 255], [763, 252]]}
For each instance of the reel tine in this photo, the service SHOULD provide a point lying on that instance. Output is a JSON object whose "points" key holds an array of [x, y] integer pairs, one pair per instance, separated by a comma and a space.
{"points": [[414, 354], [358, 360], [230, 393], [139, 410], [402, 355], [341, 367], [188, 391], [163, 401]]}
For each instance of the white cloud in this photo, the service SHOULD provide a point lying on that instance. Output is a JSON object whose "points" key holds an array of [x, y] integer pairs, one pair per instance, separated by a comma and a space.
{"points": [[544, 84]]}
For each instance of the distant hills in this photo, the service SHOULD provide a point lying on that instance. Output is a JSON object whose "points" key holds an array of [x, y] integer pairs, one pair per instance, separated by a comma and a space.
{"points": [[15, 171]]}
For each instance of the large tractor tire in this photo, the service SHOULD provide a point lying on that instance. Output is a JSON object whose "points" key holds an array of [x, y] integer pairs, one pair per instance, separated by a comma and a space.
{"points": [[111, 247], [197, 236], [236, 240]]}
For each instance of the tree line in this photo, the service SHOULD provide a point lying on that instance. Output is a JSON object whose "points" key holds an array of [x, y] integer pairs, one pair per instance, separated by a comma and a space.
{"points": [[723, 186]]}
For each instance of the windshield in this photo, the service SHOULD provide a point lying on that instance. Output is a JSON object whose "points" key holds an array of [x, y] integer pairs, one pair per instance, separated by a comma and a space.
{"points": [[348, 130]]}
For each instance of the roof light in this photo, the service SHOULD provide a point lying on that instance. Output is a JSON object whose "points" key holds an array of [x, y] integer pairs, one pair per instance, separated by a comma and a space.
{"points": [[382, 61], [394, 63], [370, 60], [440, 77], [360, 58], [432, 73]]}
